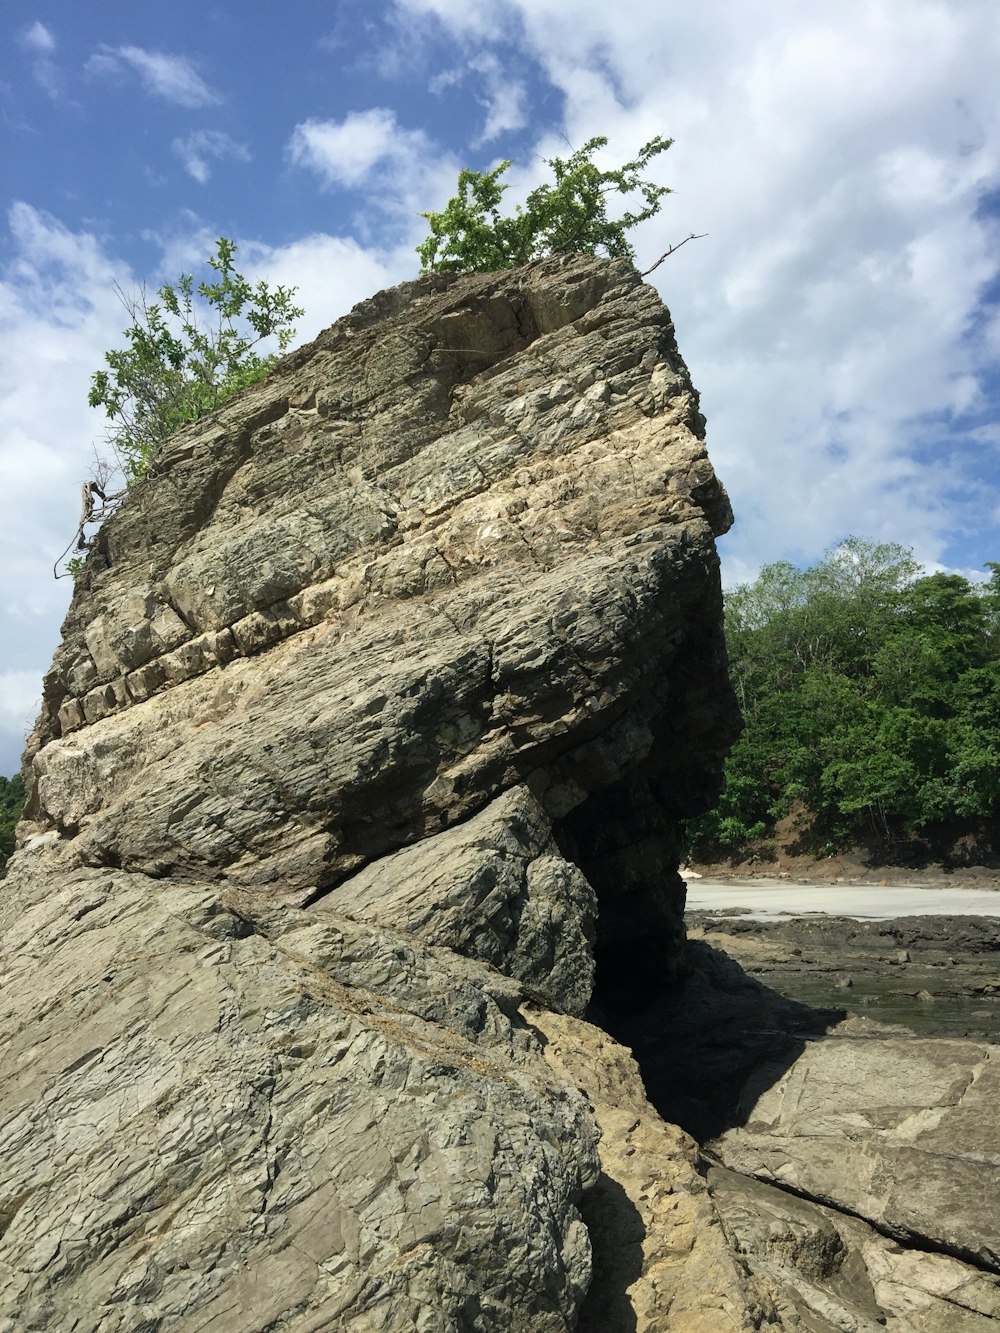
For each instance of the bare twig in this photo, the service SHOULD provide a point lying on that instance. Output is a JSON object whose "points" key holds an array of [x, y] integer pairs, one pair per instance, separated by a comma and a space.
{"points": [[695, 236]]}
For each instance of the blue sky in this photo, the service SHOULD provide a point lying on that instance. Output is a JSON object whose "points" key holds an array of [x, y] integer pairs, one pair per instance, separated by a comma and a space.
{"points": [[841, 318]]}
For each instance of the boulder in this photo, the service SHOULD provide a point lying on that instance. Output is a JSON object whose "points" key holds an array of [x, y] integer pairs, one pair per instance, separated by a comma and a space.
{"points": [[462, 542], [358, 771]]}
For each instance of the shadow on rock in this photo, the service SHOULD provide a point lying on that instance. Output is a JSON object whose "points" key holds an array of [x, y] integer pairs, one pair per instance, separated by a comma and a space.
{"points": [[715, 1042], [616, 1234]]}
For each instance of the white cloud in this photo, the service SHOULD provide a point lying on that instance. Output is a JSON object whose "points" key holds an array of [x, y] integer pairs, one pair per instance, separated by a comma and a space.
{"points": [[171, 77], [398, 171], [57, 310], [837, 160], [197, 149], [38, 38], [20, 700], [503, 96], [332, 274], [351, 152], [482, 21]]}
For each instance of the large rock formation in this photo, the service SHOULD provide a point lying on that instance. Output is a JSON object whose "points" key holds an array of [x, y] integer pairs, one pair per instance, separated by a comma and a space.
{"points": [[360, 760], [460, 544], [354, 794]]}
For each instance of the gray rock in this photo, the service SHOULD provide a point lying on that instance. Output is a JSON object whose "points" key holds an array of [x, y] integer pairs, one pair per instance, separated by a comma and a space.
{"points": [[233, 1113], [826, 1270], [493, 888], [385, 679], [899, 1130], [461, 543]]}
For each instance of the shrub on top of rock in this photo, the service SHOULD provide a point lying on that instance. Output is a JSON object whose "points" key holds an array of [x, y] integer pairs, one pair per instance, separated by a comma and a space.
{"points": [[568, 216]]}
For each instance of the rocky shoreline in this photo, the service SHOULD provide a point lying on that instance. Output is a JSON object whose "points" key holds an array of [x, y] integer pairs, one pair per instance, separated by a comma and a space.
{"points": [[852, 1163], [937, 975]]}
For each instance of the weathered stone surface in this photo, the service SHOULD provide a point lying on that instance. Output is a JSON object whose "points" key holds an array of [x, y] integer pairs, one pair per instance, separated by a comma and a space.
{"points": [[462, 542], [661, 1260], [826, 1270], [391, 675], [493, 888], [885, 1147], [900, 1130], [221, 1112]]}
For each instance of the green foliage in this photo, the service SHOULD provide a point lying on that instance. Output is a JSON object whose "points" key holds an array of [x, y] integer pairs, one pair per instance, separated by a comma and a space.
{"points": [[871, 699], [568, 216], [174, 369], [11, 804]]}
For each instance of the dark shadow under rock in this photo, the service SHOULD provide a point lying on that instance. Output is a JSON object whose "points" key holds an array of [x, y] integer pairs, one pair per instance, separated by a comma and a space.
{"points": [[616, 1234], [712, 1036]]}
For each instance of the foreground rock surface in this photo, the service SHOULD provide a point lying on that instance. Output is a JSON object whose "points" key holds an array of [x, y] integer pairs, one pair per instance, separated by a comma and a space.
{"points": [[855, 1164], [358, 770], [824, 1269], [234, 1115], [896, 1129]]}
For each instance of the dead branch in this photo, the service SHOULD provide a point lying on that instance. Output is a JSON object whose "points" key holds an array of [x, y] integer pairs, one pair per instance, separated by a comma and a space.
{"points": [[695, 236], [90, 512]]}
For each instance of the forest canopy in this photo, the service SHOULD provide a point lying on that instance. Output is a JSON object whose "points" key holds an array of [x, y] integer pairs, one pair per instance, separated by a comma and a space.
{"points": [[871, 700]]}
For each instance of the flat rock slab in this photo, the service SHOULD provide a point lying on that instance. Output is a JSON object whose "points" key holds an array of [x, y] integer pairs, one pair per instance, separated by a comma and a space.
{"points": [[899, 1130]]}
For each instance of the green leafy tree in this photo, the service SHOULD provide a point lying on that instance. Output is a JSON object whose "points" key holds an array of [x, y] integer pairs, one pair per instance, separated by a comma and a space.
{"points": [[174, 368], [11, 805], [871, 699], [568, 215]]}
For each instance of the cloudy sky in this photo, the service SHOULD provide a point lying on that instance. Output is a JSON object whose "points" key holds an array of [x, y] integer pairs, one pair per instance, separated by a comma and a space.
{"points": [[840, 317]]}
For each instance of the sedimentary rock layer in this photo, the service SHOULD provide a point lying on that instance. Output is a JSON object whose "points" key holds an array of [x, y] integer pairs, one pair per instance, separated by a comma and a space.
{"points": [[463, 541], [359, 762]]}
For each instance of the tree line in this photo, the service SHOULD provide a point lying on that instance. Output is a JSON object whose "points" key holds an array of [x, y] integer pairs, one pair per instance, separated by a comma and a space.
{"points": [[871, 701]]}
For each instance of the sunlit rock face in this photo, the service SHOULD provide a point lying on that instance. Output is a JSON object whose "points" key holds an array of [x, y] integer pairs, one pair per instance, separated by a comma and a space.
{"points": [[359, 766], [461, 544]]}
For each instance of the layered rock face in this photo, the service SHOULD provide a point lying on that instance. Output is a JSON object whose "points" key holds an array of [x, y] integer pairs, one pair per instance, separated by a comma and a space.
{"points": [[358, 768], [461, 544]]}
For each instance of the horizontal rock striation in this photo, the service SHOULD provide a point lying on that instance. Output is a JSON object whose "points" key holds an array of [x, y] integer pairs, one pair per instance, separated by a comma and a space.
{"points": [[357, 773]]}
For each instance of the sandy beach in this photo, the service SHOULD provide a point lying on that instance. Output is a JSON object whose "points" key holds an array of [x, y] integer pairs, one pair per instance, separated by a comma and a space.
{"points": [[772, 899]]}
